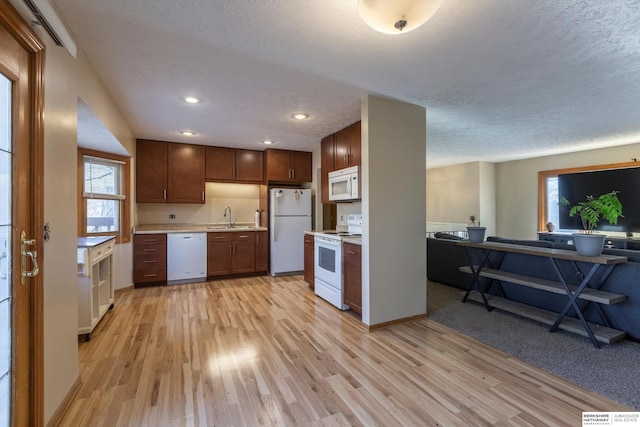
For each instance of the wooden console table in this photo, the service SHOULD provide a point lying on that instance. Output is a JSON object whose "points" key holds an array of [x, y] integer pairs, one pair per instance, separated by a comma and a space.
{"points": [[587, 290]]}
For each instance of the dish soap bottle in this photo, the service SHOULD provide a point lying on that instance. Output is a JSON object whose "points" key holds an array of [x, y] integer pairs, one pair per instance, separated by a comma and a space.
{"points": [[257, 218]]}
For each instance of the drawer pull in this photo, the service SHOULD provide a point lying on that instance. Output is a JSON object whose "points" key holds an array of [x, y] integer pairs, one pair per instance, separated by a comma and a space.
{"points": [[243, 237], [149, 262], [352, 252], [219, 237], [150, 275], [150, 250], [150, 240]]}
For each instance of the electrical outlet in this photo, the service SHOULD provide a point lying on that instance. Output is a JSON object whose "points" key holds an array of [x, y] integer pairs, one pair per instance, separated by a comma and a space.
{"points": [[172, 216]]}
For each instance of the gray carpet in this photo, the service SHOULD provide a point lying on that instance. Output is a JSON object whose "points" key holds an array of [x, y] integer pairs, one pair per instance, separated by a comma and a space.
{"points": [[613, 370]]}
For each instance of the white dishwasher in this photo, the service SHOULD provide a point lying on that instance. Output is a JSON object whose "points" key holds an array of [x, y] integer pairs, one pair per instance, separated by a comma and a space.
{"points": [[186, 257]]}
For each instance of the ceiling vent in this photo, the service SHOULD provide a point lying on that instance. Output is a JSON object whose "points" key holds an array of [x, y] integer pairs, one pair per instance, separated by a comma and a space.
{"points": [[46, 17]]}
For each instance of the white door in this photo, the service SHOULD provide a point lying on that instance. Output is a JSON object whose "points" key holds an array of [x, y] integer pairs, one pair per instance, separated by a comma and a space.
{"points": [[20, 217]]}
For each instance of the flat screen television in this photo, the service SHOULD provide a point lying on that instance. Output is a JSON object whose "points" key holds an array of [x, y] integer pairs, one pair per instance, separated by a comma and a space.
{"points": [[577, 186]]}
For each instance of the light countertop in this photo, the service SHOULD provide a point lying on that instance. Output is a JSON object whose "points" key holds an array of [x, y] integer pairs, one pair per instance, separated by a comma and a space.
{"points": [[194, 228], [91, 242]]}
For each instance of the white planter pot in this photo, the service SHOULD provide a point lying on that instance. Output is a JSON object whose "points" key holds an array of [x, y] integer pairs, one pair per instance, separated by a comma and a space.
{"points": [[588, 244], [476, 234]]}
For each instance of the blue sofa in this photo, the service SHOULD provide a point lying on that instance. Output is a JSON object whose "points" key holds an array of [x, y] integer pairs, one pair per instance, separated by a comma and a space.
{"points": [[444, 257]]}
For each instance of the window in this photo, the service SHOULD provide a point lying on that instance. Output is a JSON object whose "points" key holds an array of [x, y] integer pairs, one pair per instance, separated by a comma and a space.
{"points": [[103, 202], [548, 191]]}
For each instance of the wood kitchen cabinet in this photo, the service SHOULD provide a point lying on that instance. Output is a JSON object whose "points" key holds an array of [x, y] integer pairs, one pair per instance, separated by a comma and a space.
{"points": [[347, 146], [151, 171], [262, 251], [168, 172], [327, 161], [288, 166], [234, 165], [231, 253], [149, 259], [352, 270], [338, 151], [309, 261]]}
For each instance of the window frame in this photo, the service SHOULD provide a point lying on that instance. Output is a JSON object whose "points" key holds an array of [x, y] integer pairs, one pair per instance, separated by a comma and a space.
{"points": [[543, 176], [123, 235]]}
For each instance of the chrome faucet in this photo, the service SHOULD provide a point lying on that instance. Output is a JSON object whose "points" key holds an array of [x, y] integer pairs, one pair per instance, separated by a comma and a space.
{"points": [[229, 218]]}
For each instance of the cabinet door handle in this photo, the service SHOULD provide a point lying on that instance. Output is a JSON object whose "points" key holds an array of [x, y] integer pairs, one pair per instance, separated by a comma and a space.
{"points": [[293, 173], [203, 195], [164, 194], [230, 249], [234, 248]]}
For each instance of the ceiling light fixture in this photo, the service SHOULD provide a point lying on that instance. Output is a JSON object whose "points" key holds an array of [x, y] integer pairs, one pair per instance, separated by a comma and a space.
{"points": [[187, 133], [398, 16], [191, 99], [300, 116], [267, 142]]}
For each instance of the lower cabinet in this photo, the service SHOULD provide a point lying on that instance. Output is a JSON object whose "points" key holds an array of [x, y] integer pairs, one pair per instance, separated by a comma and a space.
{"points": [[352, 270], [149, 259], [262, 251], [309, 261], [231, 253]]}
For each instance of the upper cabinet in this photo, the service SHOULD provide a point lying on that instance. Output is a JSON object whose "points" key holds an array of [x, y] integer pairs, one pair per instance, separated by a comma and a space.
{"points": [[151, 171], [347, 146], [234, 165], [169, 172], [337, 151], [288, 166]]}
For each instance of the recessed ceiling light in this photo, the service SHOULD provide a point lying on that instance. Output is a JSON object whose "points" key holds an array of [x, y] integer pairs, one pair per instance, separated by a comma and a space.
{"points": [[187, 133], [299, 116], [191, 99], [267, 142]]}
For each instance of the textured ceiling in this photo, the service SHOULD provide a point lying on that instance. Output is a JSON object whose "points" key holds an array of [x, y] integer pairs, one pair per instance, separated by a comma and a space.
{"points": [[501, 79]]}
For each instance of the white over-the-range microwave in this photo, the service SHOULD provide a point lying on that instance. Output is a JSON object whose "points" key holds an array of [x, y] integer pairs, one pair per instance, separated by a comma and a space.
{"points": [[344, 184]]}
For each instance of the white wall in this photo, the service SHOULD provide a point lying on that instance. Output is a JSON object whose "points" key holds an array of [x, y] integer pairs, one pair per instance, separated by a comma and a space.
{"points": [[517, 185], [243, 199], [393, 242], [60, 211], [65, 80], [454, 193], [94, 94]]}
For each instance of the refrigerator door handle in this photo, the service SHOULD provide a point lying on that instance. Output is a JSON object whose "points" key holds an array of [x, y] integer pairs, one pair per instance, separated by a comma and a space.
{"points": [[275, 231]]}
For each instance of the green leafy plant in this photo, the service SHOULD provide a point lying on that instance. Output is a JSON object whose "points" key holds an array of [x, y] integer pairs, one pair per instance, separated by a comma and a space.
{"points": [[607, 206]]}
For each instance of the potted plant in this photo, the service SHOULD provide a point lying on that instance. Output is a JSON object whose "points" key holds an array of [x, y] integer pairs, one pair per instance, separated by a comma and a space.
{"points": [[476, 233], [593, 209]]}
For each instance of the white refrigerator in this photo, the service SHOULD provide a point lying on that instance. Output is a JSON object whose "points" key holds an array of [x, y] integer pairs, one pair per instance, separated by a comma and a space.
{"points": [[290, 217]]}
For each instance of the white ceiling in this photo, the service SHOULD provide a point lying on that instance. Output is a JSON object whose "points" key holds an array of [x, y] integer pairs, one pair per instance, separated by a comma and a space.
{"points": [[501, 79]]}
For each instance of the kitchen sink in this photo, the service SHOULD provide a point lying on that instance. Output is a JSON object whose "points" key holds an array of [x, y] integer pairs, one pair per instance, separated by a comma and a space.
{"points": [[226, 227]]}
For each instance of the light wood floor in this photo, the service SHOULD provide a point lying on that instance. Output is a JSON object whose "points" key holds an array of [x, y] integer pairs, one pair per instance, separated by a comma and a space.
{"points": [[265, 351]]}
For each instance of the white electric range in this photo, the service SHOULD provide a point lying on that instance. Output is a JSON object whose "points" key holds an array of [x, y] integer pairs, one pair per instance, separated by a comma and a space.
{"points": [[329, 281]]}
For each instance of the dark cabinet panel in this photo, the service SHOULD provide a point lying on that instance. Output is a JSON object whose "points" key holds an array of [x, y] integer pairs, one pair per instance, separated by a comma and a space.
{"points": [[288, 166], [309, 262], [352, 270], [220, 164], [151, 171], [185, 171]]}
